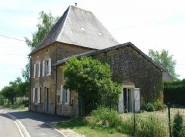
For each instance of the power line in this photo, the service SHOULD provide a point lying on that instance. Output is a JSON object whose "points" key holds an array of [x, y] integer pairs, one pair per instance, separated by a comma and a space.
{"points": [[12, 38]]}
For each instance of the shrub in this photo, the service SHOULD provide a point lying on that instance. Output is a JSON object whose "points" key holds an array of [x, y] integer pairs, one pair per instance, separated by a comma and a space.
{"points": [[103, 117], [158, 105], [177, 125], [149, 107]]}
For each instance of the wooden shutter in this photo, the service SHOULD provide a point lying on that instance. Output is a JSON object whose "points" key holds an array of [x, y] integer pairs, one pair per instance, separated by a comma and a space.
{"points": [[43, 68], [68, 96], [38, 95], [33, 96], [49, 64], [39, 69], [61, 94], [34, 71], [120, 104], [137, 99]]}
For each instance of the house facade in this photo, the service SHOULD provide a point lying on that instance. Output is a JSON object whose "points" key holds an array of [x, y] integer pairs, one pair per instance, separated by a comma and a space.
{"points": [[79, 33]]}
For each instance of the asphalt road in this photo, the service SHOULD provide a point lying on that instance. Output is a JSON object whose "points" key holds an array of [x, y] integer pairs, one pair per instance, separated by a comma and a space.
{"points": [[35, 124], [8, 127]]}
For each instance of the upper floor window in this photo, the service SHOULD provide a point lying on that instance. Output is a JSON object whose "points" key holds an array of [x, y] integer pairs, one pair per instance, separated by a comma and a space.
{"points": [[37, 70], [46, 67]]}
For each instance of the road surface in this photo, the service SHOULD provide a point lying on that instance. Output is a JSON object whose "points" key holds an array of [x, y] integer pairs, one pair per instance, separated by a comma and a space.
{"points": [[31, 124], [8, 127]]}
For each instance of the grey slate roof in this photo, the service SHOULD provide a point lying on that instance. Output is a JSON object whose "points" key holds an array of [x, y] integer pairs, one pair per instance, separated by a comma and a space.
{"points": [[79, 27], [92, 53]]}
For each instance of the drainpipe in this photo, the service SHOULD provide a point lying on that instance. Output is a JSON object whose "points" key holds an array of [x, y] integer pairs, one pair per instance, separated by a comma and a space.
{"points": [[56, 81], [30, 81]]}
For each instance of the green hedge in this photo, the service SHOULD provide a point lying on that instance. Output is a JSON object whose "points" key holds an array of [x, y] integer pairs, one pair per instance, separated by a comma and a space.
{"points": [[174, 92]]}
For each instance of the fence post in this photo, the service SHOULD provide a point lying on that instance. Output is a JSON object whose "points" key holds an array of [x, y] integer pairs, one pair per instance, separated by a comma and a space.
{"points": [[169, 121]]}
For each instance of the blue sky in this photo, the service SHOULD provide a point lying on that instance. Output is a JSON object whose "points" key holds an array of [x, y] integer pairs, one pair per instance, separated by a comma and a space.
{"points": [[149, 24]]}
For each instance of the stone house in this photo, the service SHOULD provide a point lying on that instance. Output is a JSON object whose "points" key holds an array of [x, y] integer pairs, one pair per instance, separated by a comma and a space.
{"points": [[78, 32]]}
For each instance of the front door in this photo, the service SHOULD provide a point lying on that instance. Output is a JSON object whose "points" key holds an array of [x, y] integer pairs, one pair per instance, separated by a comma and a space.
{"points": [[46, 99], [127, 100]]}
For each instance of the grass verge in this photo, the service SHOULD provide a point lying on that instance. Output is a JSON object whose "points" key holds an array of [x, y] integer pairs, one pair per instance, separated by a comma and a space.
{"points": [[80, 126]]}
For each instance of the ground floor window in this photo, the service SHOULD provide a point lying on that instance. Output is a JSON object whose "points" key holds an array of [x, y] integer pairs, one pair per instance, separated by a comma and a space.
{"points": [[36, 95], [63, 96]]}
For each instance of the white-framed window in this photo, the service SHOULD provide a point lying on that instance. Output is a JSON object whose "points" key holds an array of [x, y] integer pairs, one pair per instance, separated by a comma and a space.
{"points": [[46, 67], [36, 95], [36, 70], [60, 95]]}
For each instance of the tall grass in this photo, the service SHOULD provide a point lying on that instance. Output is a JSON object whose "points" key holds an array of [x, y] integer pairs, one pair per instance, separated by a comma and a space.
{"points": [[149, 126]]}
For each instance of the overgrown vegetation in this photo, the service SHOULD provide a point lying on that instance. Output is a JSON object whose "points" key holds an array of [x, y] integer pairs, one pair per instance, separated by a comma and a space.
{"points": [[150, 126], [174, 92], [92, 80], [103, 121]]}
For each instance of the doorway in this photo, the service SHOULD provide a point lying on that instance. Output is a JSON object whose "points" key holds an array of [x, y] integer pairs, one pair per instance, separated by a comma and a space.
{"points": [[129, 100]]}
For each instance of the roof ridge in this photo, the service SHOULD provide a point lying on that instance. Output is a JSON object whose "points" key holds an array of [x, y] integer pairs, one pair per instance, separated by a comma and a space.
{"points": [[79, 8]]}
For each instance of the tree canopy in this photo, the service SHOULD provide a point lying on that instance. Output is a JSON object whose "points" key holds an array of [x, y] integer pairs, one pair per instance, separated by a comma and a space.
{"points": [[92, 80], [16, 88], [164, 60], [46, 21]]}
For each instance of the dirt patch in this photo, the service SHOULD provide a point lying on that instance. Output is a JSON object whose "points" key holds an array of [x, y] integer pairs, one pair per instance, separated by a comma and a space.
{"points": [[70, 133]]}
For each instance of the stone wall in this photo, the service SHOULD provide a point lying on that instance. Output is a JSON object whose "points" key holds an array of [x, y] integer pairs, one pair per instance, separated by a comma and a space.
{"points": [[56, 51], [62, 108], [130, 66]]}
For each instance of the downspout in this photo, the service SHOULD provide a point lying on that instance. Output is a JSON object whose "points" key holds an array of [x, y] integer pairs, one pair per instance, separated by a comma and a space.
{"points": [[30, 81], [56, 81]]}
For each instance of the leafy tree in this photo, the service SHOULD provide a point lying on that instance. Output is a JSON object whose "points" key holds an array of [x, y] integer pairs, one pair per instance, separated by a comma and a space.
{"points": [[165, 60], [8, 93], [16, 88], [92, 81], [45, 24], [46, 21], [26, 72]]}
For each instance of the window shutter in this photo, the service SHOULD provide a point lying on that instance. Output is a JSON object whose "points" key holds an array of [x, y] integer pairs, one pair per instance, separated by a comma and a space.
{"points": [[38, 95], [61, 94], [49, 64], [68, 96], [120, 104], [33, 97], [39, 70], [43, 68], [34, 71], [137, 99]]}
